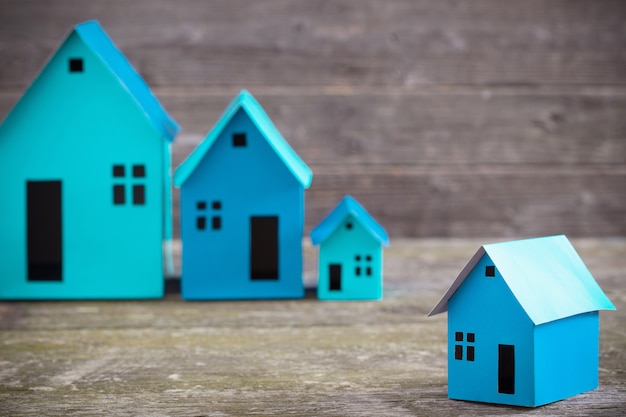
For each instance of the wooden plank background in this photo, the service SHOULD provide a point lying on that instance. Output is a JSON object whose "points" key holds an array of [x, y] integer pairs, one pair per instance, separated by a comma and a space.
{"points": [[445, 118]]}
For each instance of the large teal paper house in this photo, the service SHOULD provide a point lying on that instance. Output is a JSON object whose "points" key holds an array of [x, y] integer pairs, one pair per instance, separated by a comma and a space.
{"points": [[85, 168], [351, 253], [242, 210], [523, 324]]}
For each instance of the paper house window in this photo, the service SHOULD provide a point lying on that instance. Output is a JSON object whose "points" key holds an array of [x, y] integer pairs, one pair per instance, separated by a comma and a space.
{"points": [[201, 217], [490, 271], [363, 263], [239, 140], [138, 187], [467, 343], [216, 220], [349, 225], [75, 64]]}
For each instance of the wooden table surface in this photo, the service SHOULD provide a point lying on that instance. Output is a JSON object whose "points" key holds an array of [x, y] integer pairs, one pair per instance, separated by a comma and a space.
{"points": [[297, 357]]}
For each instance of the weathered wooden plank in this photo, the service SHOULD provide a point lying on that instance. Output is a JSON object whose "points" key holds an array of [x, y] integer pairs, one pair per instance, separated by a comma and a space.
{"points": [[344, 42], [301, 357], [434, 127]]}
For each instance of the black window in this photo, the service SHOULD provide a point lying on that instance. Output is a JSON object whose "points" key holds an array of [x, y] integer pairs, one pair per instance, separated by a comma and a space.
{"points": [[76, 65], [201, 205], [490, 271], [216, 222], [139, 195], [118, 194], [469, 346], [118, 171], [139, 171], [200, 222], [363, 263], [458, 352], [368, 271], [349, 225], [216, 205], [239, 140]]}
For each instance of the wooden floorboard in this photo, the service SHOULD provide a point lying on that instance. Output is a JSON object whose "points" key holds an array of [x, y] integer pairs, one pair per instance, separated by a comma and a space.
{"points": [[294, 357]]}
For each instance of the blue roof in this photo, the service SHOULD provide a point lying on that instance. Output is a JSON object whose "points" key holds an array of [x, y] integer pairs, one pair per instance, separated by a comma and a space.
{"points": [[248, 103], [545, 275], [346, 207], [99, 42]]}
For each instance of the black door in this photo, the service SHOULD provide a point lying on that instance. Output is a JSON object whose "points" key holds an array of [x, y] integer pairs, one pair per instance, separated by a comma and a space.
{"points": [[44, 231], [506, 369], [264, 247], [334, 271]]}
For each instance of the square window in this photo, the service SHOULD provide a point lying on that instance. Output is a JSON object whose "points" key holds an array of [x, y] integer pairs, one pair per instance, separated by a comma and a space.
{"points": [[348, 225], [139, 195], [216, 223], [76, 65], [470, 353], [470, 337], [118, 195], [490, 271], [201, 205], [216, 205], [239, 140], [357, 257], [458, 352], [458, 336], [368, 258], [118, 171], [139, 171], [201, 223]]}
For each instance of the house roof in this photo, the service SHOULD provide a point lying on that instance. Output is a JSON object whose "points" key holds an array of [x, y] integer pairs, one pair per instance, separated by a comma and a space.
{"points": [[545, 275], [348, 206], [244, 100], [99, 42]]}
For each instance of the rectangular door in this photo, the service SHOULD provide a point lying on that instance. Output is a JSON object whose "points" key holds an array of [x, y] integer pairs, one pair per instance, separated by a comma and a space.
{"points": [[506, 369], [334, 272], [264, 247], [44, 231]]}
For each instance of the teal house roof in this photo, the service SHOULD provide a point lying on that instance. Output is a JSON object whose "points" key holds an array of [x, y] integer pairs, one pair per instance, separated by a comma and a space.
{"points": [[546, 276], [248, 103], [96, 38], [348, 206]]}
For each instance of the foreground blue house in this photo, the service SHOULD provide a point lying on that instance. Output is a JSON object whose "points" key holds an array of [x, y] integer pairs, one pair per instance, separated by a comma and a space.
{"points": [[523, 324], [242, 210], [85, 168], [351, 253]]}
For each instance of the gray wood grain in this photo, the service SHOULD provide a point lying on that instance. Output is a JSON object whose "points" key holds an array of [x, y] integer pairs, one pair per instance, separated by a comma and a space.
{"points": [[446, 118], [343, 42], [300, 357]]}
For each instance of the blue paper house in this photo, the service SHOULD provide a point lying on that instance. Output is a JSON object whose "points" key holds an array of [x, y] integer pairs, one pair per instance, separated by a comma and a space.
{"points": [[85, 168], [242, 210], [351, 253], [523, 324]]}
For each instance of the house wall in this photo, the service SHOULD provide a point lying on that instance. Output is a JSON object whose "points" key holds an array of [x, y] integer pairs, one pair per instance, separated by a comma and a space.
{"points": [[486, 307], [247, 181], [74, 127], [566, 357], [342, 247]]}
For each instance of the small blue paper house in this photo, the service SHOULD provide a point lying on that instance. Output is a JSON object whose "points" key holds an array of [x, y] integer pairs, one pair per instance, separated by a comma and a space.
{"points": [[523, 324], [351, 253], [85, 168], [242, 210]]}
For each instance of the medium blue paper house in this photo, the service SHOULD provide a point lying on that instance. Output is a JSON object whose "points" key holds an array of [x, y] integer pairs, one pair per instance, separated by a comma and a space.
{"points": [[242, 210], [523, 324], [85, 168], [351, 253]]}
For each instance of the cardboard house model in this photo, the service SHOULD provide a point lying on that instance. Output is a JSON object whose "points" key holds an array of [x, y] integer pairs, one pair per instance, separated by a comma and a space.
{"points": [[523, 324], [351, 253], [242, 210], [85, 168]]}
